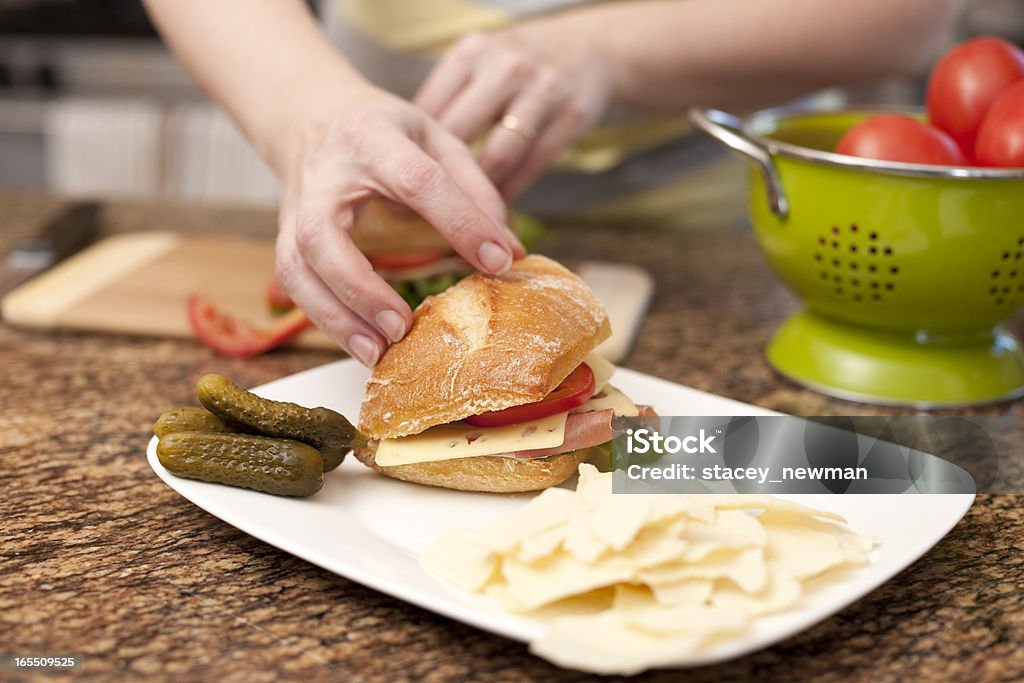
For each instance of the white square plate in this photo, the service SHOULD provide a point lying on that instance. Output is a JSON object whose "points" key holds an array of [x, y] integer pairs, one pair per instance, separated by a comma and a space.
{"points": [[371, 529]]}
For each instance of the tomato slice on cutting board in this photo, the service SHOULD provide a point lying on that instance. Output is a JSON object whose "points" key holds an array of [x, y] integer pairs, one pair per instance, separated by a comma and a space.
{"points": [[573, 391], [234, 338]]}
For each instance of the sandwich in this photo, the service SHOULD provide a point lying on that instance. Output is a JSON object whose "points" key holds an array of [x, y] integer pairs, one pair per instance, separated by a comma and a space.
{"points": [[411, 255], [495, 387], [403, 248], [407, 251]]}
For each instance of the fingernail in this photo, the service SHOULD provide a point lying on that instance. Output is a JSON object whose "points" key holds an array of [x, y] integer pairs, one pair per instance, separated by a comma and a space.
{"points": [[392, 324], [494, 257], [364, 349], [517, 245]]}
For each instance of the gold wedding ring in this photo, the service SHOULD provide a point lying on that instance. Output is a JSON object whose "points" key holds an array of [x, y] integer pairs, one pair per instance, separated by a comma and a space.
{"points": [[517, 125]]}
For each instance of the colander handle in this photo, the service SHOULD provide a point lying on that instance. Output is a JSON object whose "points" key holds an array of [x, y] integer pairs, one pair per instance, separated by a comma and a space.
{"points": [[728, 130]]}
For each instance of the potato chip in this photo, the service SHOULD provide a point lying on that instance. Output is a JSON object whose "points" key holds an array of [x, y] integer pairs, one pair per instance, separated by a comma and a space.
{"points": [[580, 540], [761, 501], [593, 486], [699, 620], [541, 545], [731, 529], [629, 582], [654, 546], [596, 600], [555, 578], [746, 568], [781, 590], [683, 591], [551, 508], [808, 548], [603, 643], [461, 559]]}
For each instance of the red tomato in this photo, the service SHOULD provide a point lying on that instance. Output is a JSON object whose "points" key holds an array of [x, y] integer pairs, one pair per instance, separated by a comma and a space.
{"points": [[891, 137], [1001, 136], [236, 339], [965, 83], [398, 259], [277, 300], [573, 391]]}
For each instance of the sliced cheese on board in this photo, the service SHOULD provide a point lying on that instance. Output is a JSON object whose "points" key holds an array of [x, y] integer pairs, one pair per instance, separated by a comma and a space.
{"points": [[460, 440]]}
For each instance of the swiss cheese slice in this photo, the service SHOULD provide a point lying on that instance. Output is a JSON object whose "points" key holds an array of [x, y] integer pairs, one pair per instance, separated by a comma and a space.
{"points": [[602, 369], [611, 398], [460, 440]]}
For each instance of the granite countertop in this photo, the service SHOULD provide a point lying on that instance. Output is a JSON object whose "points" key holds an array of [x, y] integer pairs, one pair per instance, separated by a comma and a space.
{"points": [[99, 557]]}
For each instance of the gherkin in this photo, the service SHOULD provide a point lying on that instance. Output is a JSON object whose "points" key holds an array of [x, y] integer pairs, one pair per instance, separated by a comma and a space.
{"points": [[280, 466], [322, 428]]}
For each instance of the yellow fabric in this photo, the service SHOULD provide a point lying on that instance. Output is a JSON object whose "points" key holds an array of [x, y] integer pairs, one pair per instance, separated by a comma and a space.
{"points": [[423, 26], [427, 27]]}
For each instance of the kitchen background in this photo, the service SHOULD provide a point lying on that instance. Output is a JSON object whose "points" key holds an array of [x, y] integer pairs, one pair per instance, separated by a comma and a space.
{"points": [[92, 104]]}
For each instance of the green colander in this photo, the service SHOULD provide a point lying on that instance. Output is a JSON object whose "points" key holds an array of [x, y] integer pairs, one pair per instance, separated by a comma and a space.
{"points": [[906, 270]]}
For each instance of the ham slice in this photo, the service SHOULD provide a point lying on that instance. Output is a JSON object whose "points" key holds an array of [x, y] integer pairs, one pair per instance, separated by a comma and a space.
{"points": [[583, 430]]}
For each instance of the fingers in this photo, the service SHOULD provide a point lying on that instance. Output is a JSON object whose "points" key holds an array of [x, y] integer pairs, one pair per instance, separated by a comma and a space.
{"points": [[346, 328], [535, 98], [450, 75], [487, 95], [458, 161], [390, 150], [571, 122], [508, 146], [323, 241], [408, 175]]}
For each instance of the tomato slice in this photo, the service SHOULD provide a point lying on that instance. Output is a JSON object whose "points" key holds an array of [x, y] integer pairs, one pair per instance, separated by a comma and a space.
{"points": [[396, 259], [234, 338], [277, 301], [573, 391]]}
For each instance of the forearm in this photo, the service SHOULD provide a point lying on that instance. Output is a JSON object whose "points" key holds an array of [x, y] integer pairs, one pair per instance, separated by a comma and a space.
{"points": [[668, 55], [267, 63]]}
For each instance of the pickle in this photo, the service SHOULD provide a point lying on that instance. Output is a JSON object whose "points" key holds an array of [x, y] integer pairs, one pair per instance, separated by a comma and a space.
{"points": [[281, 466], [322, 428], [189, 419]]}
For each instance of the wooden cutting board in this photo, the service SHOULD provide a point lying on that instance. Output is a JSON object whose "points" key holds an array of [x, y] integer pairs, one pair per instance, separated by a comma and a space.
{"points": [[139, 283]]}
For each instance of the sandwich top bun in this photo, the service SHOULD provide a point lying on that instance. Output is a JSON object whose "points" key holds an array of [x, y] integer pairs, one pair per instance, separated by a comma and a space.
{"points": [[384, 226], [487, 343]]}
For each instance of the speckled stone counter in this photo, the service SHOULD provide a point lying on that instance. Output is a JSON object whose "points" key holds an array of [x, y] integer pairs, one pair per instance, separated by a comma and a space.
{"points": [[99, 557]]}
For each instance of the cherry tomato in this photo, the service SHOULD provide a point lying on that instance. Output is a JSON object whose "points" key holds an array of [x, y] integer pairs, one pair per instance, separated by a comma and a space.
{"points": [[573, 391], [965, 83], [1001, 136], [236, 339], [892, 137], [398, 259], [277, 301]]}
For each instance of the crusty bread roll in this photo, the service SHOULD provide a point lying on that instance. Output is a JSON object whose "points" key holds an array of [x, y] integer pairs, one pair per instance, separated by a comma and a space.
{"points": [[487, 473], [384, 226], [487, 343]]}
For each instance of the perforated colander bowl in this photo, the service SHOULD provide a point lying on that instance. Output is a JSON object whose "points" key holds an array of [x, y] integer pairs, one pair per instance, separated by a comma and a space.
{"points": [[906, 270]]}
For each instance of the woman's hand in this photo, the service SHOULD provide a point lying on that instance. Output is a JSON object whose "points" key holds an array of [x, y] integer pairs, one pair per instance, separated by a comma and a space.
{"points": [[536, 88], [378, 144]]}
